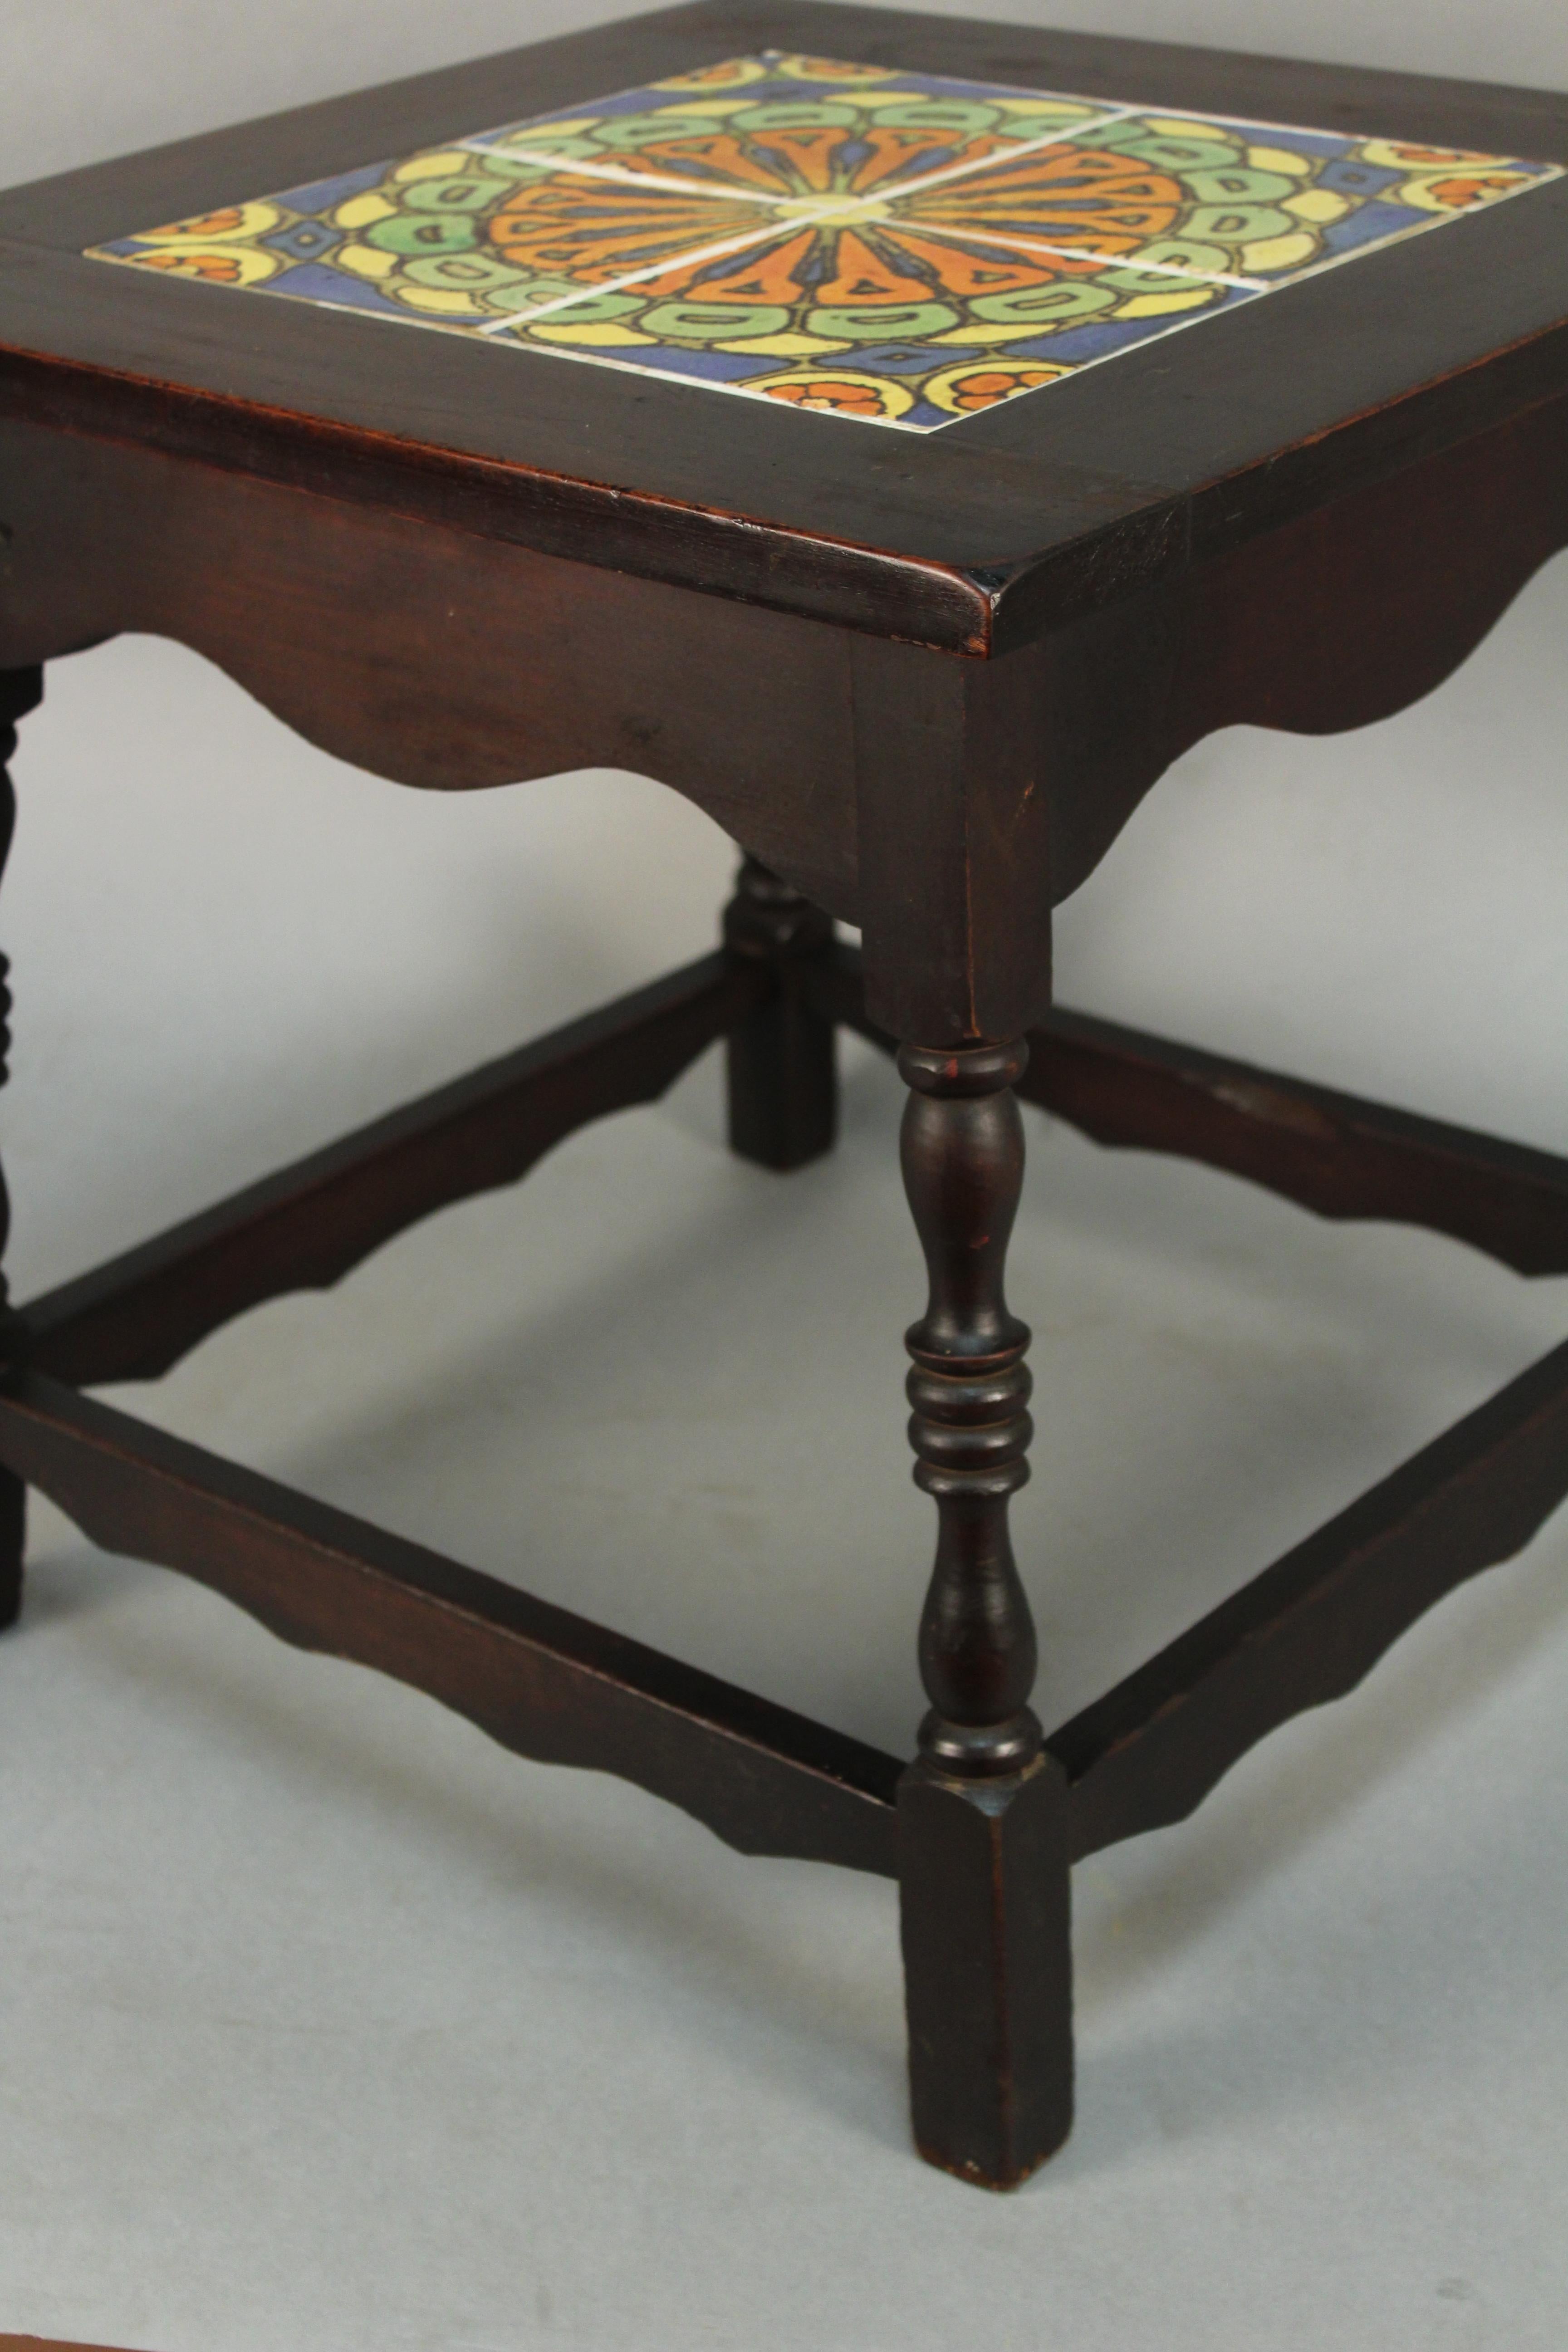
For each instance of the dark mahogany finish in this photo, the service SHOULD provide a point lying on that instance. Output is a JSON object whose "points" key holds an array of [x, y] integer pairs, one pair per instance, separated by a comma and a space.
{"points": [[925, 683], [20, 691], [983, 1838], [1253, 521], [987, 1971], [1310, 1628], [963, 1154], [303, 1228], [45, 2344], [537, 1679], [781, 1063], [983, 1909], [1330, 1152]]}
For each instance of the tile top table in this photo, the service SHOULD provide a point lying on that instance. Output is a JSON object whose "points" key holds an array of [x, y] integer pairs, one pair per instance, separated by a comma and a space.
{"points": [[902, 436], [891, 247]]}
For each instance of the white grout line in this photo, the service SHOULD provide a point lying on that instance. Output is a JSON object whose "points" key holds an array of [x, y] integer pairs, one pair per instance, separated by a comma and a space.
{"points": [[1025, 243], [806, 213], [891, 192], [633, 367], [688, 260], [996, 163], [1022, 242], [719, 191], [955, 233], [708, 384], [725, 191], [783, 222]]}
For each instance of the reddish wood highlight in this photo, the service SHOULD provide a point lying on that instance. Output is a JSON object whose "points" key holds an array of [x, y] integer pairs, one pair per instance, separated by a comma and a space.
{"points": [[46, 2343]]}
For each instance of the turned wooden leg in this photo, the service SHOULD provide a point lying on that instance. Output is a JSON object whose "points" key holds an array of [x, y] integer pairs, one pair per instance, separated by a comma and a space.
{"points": [[782, 1067], [981, 1811], [19, 691]]}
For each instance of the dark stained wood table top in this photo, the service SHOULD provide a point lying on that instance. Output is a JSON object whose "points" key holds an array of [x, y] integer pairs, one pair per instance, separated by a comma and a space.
{"points": [[973, 538]]}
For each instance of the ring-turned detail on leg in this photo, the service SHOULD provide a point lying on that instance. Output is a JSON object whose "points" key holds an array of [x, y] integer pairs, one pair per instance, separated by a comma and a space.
{"points": [[981, 1811], [20, 690]]}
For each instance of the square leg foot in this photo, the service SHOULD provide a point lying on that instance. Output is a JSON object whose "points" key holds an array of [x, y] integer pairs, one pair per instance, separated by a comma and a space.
{"points": [[983, 1881]]}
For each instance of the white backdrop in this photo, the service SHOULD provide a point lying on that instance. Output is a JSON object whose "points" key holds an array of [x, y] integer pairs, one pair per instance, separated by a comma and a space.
{"points": [[86, 78], [327, 2025]]}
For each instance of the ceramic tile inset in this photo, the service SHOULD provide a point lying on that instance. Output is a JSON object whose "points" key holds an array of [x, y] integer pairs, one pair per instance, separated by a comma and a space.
{"points": [[896, 248]]}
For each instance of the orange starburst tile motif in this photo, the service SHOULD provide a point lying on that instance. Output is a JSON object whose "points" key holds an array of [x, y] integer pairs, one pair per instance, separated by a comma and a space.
{"points": [[899, 248]]}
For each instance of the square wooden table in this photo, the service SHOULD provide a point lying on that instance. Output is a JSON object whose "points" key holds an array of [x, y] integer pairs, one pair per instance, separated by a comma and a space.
{"points": [[903, 438]]}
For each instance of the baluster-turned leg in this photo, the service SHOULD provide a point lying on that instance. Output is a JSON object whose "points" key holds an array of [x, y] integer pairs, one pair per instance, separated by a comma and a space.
{"points": [[19, 691], [982, 1816], [781, 1069]]}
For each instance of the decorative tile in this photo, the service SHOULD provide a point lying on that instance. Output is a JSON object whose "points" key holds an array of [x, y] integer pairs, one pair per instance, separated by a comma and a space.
{"points": [[897, 247]]}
